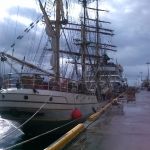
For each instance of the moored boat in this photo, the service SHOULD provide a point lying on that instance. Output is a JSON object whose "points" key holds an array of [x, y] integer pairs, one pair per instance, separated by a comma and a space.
{"points": [[50, 97]]}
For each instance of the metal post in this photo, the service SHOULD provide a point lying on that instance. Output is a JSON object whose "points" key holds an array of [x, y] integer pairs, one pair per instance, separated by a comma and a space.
{"points": [[141, 74], [148, 71]]}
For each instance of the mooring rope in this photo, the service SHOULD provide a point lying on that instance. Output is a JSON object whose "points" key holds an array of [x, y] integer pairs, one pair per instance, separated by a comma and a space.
{"points": [[45, 133], [26, 120], [50, 131]]}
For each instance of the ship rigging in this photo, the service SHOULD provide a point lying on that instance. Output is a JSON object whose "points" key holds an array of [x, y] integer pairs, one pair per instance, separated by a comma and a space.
{"points": [[78, 40]]}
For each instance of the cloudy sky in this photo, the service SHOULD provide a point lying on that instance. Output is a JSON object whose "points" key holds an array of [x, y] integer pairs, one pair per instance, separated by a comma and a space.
{"points": [[130, 20]]}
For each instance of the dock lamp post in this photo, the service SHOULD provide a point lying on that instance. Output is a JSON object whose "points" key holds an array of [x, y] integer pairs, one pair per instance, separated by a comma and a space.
{"points": [[141, 74], [148, 63]]}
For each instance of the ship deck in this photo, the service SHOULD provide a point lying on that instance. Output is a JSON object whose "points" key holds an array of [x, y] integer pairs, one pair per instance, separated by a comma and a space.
{"points": [[119, 129]]}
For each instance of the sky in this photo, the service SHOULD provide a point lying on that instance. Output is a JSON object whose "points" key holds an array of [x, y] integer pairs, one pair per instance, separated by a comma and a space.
{"points": [[129, 20]]}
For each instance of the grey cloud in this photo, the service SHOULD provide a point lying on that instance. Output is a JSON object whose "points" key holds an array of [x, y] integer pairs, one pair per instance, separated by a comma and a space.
{"points": [[10, 29], [23, 11]]}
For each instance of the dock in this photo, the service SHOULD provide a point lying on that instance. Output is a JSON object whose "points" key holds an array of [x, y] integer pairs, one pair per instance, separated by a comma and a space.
{"points": [[119, 131], [119, 128]]}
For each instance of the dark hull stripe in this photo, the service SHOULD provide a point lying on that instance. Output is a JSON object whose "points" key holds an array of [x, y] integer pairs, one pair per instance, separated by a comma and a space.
{"points": [[27, 101], [48, 95]]}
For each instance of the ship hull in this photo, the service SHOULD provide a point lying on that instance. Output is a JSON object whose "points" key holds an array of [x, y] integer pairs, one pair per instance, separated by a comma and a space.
{"points": [[51, 108]]}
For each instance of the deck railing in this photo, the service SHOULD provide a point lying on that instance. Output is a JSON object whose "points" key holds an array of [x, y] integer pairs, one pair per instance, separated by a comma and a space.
{"points": [[43, 82]]}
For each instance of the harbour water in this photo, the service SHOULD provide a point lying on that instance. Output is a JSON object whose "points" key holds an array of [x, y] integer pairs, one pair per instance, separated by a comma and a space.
{"points": [[9, 137]]}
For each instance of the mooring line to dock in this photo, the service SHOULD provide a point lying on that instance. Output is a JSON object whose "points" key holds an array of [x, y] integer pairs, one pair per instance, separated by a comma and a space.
{"points": [[73, 133], [17, 128], [40, 135]]}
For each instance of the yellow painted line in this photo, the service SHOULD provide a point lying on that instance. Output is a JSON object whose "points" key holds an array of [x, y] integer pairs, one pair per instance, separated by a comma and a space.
{"points": [[68, 137]]}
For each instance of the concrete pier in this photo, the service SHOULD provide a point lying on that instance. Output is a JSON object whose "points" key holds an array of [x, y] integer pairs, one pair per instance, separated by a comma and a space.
{"points": [[118, 130]]}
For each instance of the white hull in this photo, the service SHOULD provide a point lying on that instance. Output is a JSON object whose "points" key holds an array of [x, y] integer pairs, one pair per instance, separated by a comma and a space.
{"points": [[20, 104]]}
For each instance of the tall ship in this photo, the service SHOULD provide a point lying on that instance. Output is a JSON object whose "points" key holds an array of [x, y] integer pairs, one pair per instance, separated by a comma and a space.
{"points": [[35, 95], [111, 78]]}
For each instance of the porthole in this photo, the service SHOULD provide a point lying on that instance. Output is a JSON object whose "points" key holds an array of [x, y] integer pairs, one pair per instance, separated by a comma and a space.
{"points": [[3, 96], [26, 97], [50, 99]]}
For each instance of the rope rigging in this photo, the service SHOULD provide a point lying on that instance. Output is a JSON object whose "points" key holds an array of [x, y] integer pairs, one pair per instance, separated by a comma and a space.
{"points": [[27, 30], [40, 135], [30, 118], [44, 52], [13, 50], [20, 37], [38, 47], [71, 51]]}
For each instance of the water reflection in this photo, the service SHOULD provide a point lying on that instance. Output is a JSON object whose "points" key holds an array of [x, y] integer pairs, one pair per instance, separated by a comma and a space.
{"points": [[7, 136]]}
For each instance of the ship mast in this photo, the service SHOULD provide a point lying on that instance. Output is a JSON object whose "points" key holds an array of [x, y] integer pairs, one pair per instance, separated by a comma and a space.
{"points": [[84, 42], [98, 47], [97, 31], [57, 30], [53, 31]]}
